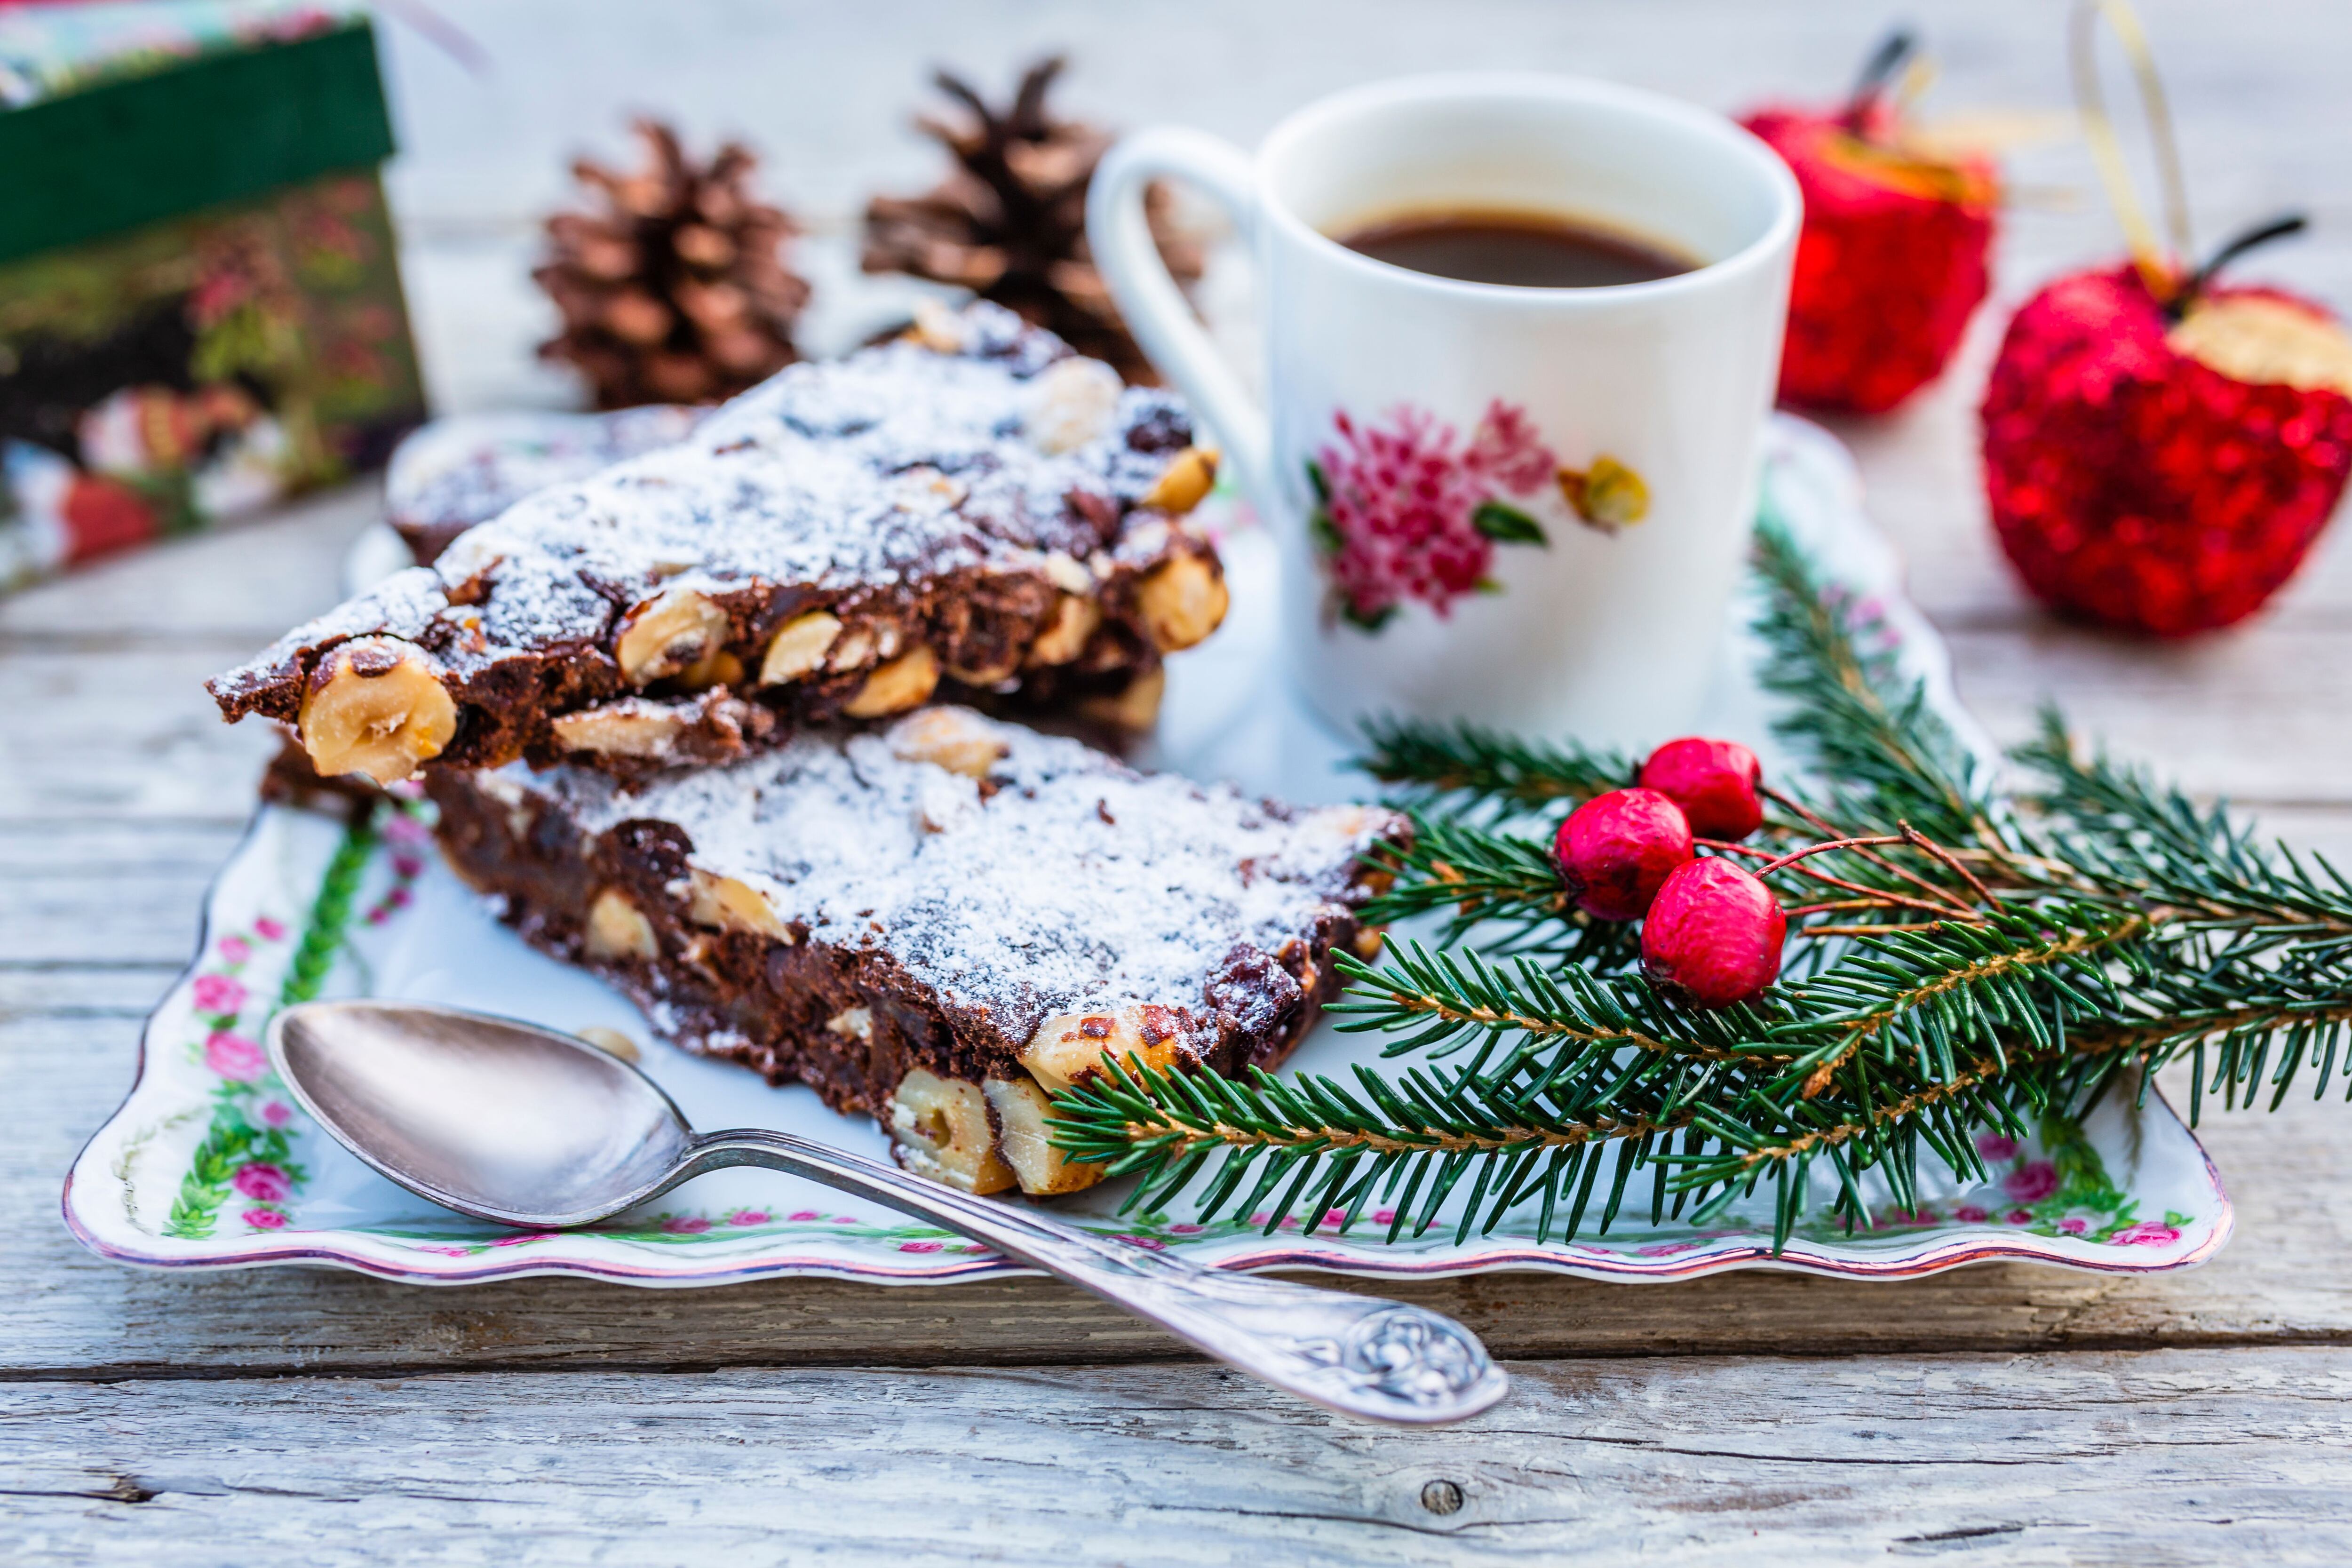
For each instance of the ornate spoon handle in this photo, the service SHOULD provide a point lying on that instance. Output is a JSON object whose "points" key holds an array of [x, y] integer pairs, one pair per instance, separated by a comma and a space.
{"points": [[1359, 1356]]}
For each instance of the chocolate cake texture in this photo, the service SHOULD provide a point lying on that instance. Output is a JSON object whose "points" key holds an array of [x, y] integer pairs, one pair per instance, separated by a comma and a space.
{"points": [[970, 509], [467, 469], [941, 923]]}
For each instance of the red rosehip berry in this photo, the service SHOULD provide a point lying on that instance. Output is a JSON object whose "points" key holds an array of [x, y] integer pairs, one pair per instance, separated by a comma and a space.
{"points": [[1714, 934], [1715, 783], [1616, 848]]}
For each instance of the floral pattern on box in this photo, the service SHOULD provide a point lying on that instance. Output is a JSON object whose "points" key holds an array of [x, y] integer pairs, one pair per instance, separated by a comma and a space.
{"points": [[198, 370]]}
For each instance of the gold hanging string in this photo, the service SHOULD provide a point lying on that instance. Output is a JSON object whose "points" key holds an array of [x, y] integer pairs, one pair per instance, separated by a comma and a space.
{"points": [[2162, 263], [1917, 77]]}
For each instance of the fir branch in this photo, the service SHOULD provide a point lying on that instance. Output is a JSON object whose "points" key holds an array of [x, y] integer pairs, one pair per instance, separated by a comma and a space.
{"points": [[1443, 1002], [1414, 1132], [2118, 832], [1466, 766], [1975, 967], [1935, 994], [1479, 876], [1853, 718]]}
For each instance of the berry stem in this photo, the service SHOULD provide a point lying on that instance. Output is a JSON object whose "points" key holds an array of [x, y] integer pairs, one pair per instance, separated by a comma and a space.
{"points": [[1798, 807], [1881, 861], [1931, 847], [1725, 847], [1790, 859], [1876, 898]]}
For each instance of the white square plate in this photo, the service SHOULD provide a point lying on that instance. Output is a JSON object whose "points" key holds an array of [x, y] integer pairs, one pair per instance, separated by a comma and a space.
{"points": [[207, 1164]]}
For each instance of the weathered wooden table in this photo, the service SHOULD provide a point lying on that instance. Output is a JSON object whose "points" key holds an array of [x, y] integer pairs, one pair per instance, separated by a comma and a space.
{"points": [[317, 1418]]}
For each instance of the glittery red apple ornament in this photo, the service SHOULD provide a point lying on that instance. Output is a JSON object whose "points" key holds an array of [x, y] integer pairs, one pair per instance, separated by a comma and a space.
{"points": [[1891, 261], [2164, 464]]}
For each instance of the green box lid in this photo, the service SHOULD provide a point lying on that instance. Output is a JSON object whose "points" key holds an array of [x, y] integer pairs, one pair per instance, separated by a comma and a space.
{"points": [[220, 128]]}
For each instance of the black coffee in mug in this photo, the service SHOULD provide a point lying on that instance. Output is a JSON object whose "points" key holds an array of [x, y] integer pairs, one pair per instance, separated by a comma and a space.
{"points": [[1523, 249]]}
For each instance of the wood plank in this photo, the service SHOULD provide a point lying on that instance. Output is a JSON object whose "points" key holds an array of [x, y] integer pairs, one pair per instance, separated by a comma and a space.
{"points": [[2287, 1278], [77, 988], [111, 736], [236, 589], [114, 847], [127, 731], [2144, 1458], [130, 917]]}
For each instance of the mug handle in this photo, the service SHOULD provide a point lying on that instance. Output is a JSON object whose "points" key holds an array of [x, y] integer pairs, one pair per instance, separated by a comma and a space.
{"points": [[1155, 309]]}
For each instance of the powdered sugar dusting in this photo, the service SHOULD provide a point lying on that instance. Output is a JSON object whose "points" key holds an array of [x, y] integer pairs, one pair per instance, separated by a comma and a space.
{"points": [[1072, 884], [896, 462], [469, 468]]}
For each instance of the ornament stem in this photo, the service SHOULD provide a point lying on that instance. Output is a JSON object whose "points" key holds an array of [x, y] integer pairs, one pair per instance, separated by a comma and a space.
{"points": [[1899, 45], [2160, 267], [2253, 238]]}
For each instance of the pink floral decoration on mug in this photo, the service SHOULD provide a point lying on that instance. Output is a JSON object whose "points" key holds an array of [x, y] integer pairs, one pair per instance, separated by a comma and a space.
{"points": [[1406, 511]]}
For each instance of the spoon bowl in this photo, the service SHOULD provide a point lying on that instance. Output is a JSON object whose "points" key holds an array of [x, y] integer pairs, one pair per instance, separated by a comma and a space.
{"points": [[510, 1122], [500, 1120]]}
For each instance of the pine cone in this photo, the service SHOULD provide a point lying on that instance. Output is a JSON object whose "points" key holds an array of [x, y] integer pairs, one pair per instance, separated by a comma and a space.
{"points": [[1010, 220], [676, 291]]}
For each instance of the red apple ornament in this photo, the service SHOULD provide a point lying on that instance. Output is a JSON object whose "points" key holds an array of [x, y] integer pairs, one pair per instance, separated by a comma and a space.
{"points": [[1615, 849], [1714, 934], [1715, 782], [1891, 261], [2163, 463]]}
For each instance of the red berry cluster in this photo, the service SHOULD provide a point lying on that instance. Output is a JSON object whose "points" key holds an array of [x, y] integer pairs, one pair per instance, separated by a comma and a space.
{"points": [[1711, 932]]}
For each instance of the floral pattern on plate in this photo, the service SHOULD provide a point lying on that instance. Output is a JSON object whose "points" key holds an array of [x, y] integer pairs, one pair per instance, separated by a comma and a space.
{"points": [[208, 1165]]}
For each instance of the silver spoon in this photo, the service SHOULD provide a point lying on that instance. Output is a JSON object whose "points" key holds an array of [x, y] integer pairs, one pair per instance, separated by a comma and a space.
{"points": [[523, 1126]]}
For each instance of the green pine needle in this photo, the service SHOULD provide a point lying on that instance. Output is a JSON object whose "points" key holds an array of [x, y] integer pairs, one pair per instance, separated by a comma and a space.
{"points": [[2004, 962]]}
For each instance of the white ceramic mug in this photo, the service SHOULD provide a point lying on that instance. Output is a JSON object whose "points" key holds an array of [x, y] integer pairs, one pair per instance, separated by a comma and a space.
{"points": [[1427, 442]]}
